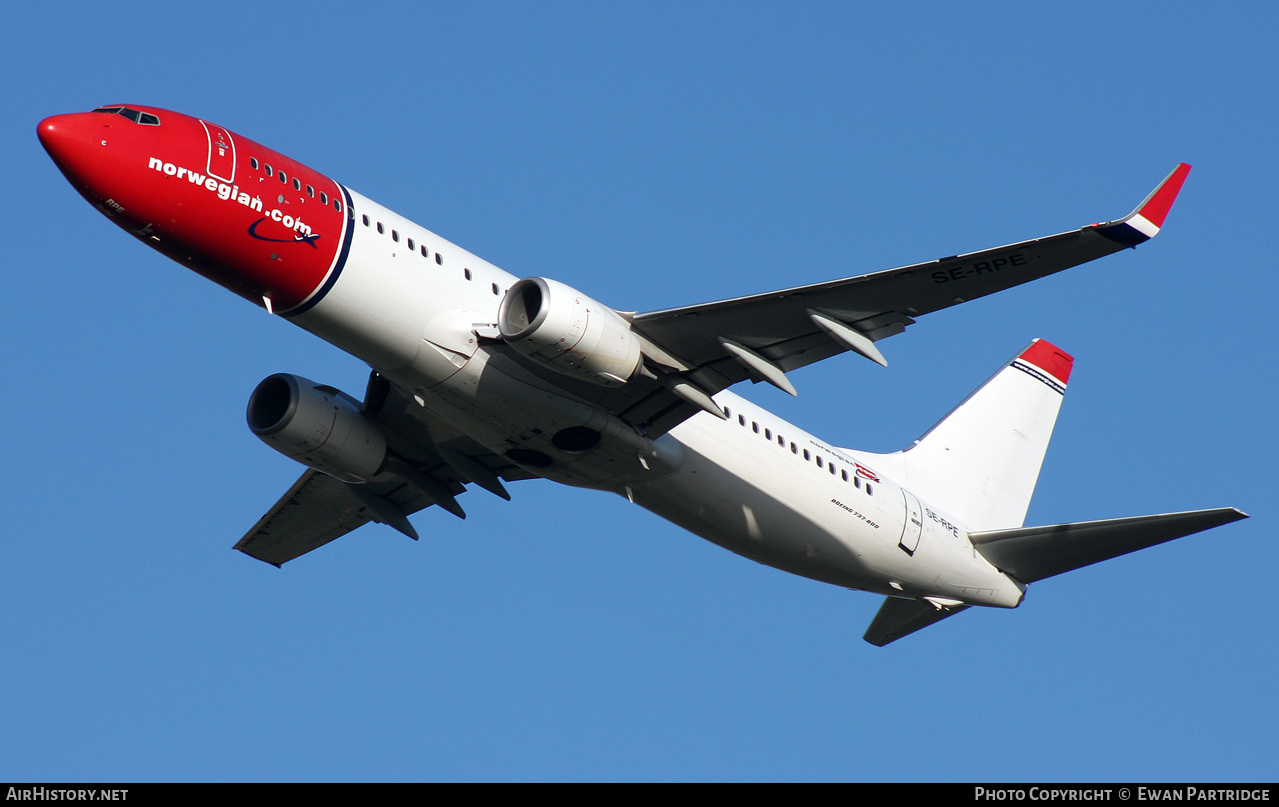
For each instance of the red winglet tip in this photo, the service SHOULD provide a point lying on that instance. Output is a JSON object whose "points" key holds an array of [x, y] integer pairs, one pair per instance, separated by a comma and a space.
{"points": [[1049, 358], [1156, 208]]}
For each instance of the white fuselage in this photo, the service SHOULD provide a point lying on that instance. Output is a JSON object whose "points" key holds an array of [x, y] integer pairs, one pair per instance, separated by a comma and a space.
{"points": [[752, 484]]}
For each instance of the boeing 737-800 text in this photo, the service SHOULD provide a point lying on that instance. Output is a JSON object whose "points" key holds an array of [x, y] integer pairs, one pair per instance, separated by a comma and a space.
{"points": [[480, 377]]}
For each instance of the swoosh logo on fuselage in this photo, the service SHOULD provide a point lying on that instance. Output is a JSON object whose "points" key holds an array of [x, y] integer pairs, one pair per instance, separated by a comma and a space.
{"points": [[296, 239]]}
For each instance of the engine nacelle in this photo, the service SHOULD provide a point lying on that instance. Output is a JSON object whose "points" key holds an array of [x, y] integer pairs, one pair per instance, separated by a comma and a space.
{"points": [[556, 325], [318, 426]]}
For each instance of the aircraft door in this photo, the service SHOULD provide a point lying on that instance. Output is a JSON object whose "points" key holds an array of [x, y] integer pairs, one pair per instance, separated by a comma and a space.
{"points": [[221, 163], [912, 524]]}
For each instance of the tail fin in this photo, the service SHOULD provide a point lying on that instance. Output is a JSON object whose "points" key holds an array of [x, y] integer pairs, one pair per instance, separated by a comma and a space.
{"points": [[981, 461]]}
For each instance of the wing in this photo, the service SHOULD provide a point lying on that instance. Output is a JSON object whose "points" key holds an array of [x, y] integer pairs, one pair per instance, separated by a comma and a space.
{"points": [[693, 352], [316, 510], [794, 327], [434, 464]]}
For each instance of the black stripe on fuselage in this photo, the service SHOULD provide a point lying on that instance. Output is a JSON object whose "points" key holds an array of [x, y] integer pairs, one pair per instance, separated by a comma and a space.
{"points": [[337, 267]]}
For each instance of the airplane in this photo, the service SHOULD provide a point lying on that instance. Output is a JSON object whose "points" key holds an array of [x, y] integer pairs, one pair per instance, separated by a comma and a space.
{"points": [[482, 378]]}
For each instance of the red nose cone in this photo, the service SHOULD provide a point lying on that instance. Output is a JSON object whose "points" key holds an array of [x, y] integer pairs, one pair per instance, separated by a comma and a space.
{"points": [[67, 139]]}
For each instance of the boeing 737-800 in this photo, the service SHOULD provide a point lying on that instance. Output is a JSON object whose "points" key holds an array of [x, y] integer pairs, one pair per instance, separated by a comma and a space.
{"points": [[479, 377]]}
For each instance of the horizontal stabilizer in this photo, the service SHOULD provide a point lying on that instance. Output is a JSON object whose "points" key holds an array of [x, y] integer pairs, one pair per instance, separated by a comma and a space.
{"points": [[899, 617], [1034, 553]]}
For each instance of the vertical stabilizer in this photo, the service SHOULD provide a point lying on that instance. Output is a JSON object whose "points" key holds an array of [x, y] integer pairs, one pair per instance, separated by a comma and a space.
{"points": [[980, 463]]}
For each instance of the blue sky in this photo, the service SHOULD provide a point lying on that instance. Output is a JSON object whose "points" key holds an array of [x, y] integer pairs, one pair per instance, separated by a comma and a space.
{"points": [[650, 154]]}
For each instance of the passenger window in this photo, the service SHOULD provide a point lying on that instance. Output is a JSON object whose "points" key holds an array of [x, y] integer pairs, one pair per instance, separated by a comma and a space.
{"points": [[439, 259], [467, 273], [324, 198], [754, 427], [869, 492], [395, 236], [269, 172], [253, 163], [381, 230], [741, 420], [297, 184], [337, 205], [426, 253], [495, 291], [807, 456], [284, 179], [366, 220], [844, 475]]}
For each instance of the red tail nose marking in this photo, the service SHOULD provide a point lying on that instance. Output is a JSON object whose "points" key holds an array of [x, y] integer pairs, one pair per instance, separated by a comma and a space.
{"points": [[1049, 358]]}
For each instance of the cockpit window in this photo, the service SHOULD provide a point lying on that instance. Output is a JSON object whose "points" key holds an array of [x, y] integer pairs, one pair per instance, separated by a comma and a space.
{"points": [[144, 118]]}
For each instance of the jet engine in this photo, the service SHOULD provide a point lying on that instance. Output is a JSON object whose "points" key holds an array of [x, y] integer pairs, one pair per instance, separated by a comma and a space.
{"points": [[318, 426], [556, 325]]}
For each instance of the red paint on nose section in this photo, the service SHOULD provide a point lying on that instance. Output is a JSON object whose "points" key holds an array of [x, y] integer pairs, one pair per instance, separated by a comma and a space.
{"points": [[245, 216], [66, 138]]}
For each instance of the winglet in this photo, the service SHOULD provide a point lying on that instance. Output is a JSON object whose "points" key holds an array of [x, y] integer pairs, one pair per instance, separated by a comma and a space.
{"points": [[1155, 208], [1143, 224]]}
